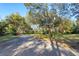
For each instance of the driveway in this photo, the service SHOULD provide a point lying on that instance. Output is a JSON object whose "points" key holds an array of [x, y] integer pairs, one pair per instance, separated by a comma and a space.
{"points": [[27, 45]]}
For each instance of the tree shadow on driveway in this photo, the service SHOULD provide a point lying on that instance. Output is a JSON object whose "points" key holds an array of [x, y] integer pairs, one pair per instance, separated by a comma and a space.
{"points": [[29, 46]]}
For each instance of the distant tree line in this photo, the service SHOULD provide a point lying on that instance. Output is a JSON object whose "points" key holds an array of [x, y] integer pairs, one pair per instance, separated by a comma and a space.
{"points": [[51, 18], [14, 24]]}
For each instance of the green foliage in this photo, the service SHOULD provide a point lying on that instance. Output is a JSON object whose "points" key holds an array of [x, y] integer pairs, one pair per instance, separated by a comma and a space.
{"points": [[76, 26], [3, 24], [15, 24], [66, 26]]}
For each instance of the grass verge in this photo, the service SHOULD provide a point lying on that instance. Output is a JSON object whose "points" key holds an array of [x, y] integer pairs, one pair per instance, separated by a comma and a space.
{"points": [[7, 38]]}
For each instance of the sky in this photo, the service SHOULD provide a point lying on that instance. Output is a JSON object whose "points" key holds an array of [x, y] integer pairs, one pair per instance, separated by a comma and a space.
{"points": [[8, 8]]}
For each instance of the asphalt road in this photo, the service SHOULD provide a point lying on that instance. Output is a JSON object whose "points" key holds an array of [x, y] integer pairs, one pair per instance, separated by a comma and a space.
{"points": [[27, 45]]}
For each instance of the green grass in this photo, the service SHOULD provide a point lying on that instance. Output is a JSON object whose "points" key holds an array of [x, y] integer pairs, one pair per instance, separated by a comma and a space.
{"points": [[71, 37], [7, 38]]}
